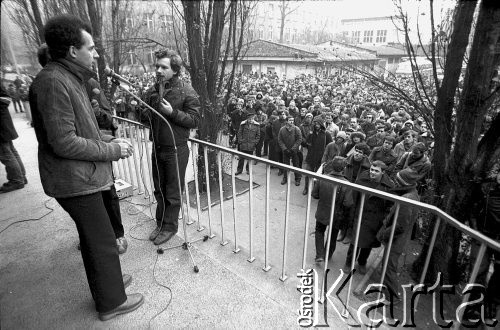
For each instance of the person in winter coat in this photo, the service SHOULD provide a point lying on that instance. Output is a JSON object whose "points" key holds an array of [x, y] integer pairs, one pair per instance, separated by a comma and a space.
{"points": [[409, 139], [248, 137], [336, 148], [16, 174], [354, 138], [316, 143], [407, 217], [237, 116], [276, 127], [374, 211], [386, 154], [414, 164], [343, 204], [289, 140], [261, 118]]}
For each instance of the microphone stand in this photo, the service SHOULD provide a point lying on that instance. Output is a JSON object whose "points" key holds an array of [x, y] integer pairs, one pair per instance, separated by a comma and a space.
{"points": [[186, 245]]}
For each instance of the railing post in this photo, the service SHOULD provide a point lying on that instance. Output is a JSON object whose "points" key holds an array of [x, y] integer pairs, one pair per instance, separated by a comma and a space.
{"points": [[251, 258], [345, 313], [306, 225], [233, 187], [150, 167], [136, 159], [329, 238], [285, 234], [196, 186], [266, 267], [209, 199], [223, 242]]}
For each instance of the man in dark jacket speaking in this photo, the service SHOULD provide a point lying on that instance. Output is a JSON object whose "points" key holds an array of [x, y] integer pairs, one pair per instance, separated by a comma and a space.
{"points": [[179, 105], [74, 158]]}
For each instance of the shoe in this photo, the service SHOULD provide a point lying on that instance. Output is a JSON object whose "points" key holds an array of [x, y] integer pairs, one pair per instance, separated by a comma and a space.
{"points": [[121, 244], [133, 302], [319, 260], [362, 269], [10, 186], [127, 279], [341, 236], [238, 172], [25, 180], [297, 183], [304, 192], [284, 180], [154, 234], [347, 240], [163, 237], [280, 172]]}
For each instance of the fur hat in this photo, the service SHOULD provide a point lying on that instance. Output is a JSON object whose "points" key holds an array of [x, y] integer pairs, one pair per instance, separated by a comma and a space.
{"points": [[363, 147], [405, 179], [337, 164], [360, 135], [342, 135]]}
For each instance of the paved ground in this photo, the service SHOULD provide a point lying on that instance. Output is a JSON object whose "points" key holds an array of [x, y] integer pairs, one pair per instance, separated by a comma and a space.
{"points": [[43, 285]]}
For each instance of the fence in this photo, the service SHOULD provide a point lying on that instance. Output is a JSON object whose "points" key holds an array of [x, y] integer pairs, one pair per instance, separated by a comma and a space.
{"points": [[273, 232]]}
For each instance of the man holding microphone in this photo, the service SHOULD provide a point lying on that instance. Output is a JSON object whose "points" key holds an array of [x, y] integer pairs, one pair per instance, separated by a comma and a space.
{"points": [[178, 103]]}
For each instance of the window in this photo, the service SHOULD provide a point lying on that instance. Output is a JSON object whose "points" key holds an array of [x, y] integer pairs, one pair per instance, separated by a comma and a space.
{"points": [[356, 35], [271, 69], [261, 33], [247, 68], [368, 36], [129, 22], [381, 36], [148, 20], [131, 57], [167, 23], [270, 32], [287, 35]]}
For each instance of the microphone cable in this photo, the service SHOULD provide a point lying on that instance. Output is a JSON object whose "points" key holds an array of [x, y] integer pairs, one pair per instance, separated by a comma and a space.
{"points": [[51, 209]]}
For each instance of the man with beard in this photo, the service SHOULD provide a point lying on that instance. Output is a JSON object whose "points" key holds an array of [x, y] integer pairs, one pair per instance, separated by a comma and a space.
{"points": [[386, 154], [289, 140], [374, 211], [316, 142], [178, 103], [409, 139], [414, 163]]}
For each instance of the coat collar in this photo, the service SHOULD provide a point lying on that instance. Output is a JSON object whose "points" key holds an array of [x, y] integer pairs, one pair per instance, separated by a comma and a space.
{"points": [[81, 72]]}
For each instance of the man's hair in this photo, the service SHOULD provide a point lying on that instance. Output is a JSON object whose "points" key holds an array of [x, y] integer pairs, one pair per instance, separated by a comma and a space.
{"points": [[63, 31], [379, 163], [389, 138], [175, 59]]}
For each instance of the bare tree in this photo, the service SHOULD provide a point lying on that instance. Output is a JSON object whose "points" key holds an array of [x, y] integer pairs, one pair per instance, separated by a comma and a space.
{"points": [[286, 7]]}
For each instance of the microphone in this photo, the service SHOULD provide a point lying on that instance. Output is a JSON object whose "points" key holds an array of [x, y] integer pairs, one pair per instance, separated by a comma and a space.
{"points": [[96, 93], [109, 72]]}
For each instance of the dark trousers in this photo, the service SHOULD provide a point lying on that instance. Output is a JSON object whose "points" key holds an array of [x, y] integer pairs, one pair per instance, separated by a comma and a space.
{"points": [[391, 273], [363, 254], [166, 185], [13, 163], [112, 205], [319, 239], [98, 248], [241, 161], [266, 147], [258, 147], [294, 157]]}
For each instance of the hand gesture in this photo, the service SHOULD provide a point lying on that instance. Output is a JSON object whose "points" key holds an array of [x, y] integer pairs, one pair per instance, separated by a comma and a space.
{"points": [[165, 107], [126, 150], [95, 106]]}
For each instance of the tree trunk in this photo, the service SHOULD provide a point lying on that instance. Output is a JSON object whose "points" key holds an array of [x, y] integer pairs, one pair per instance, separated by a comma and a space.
{"points": [[38, 20], [459, 182], [95, 16]]}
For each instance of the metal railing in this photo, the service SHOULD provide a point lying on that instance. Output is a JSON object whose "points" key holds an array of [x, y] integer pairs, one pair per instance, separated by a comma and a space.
{"points": [[138, 135]]}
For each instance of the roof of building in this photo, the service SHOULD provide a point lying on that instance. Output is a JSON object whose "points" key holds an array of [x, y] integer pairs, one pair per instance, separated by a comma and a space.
{"points": [[313, 53], [385, 50]]}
